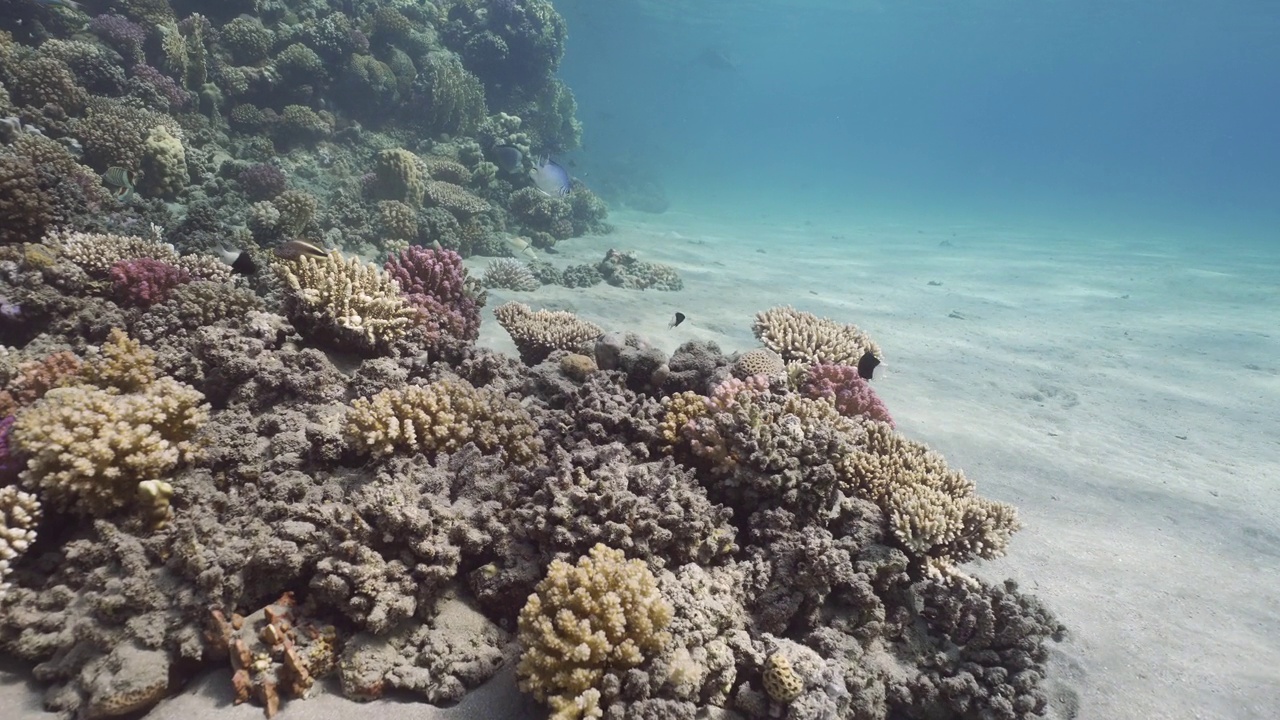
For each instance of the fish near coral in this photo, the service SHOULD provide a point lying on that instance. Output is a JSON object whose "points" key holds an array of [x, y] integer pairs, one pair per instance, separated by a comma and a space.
{"points": [[294, 249], [550, 178]]}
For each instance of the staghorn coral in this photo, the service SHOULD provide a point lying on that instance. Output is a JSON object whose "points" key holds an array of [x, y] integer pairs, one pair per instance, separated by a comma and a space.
{"points": [[19, 515], [537, 333], [605, 613], [350, 303], [656, 510], [442, 417], [803, 337]]}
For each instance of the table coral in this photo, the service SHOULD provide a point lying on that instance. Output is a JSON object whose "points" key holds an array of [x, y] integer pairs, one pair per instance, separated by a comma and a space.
{"points": [[803, 337], [605, 613], [537, 333]]}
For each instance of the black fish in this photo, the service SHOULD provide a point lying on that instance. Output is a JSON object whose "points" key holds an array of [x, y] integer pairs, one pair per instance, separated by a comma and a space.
{"points": [[244, 264], [679, 318], [867, 365], [508, 158]]}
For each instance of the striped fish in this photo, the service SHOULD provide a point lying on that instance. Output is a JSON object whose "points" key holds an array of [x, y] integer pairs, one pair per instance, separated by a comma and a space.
{"points": [[121, 182]]}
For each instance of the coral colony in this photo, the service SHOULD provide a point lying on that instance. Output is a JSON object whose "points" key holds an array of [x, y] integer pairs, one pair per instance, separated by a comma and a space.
{"points": [[299, 464]]}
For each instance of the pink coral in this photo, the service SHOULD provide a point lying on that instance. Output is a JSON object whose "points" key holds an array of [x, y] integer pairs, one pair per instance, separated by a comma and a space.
{"points": [[846, 389], [725, 395], [144, 281], [435, 282]]}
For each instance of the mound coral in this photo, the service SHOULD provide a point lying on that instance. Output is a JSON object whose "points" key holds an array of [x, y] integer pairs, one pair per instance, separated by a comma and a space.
{"points": [[605, 613]]}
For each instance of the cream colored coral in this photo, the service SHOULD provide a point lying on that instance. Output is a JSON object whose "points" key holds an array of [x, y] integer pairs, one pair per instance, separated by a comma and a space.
{"points": [[19, 515], [121, 363], [537, 333], [605, 613], [804, 337], [442, 417], [359, 303], [760, 361], [933, 510], [87, 448], [780, 680], [97, 252]]}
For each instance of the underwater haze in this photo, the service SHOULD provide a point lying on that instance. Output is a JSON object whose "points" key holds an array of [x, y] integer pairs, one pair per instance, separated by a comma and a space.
{"points": [[1093, 115]]}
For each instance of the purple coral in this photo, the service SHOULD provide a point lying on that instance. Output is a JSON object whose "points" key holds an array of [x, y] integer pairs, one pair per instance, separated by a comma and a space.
{"points": [[166, 87], [435, 282], [846, 389], [144, 282], [120, 33], [8, 464], [262, 181]]}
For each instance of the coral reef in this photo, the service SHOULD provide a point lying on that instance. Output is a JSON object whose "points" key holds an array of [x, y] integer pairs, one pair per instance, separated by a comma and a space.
{"points": [[301, 463], [509, 274]]}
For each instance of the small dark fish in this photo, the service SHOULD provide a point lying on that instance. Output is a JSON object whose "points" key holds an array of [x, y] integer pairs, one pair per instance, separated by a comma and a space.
{"points": [[679, 318], [867, 365], [294, 249], [241, 261], [508, 158]]}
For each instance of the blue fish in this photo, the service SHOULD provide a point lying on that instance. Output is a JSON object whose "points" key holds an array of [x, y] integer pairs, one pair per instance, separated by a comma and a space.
{"points": [[551, 179]]}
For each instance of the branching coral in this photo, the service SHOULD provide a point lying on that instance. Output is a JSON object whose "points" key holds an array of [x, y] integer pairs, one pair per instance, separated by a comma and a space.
{"points": [[605, 613], [538, 332], [350, 303], [436, 283], [803, 337], [87, 449], [442, 417], [843, 387], [934, 511], [19, 515]]}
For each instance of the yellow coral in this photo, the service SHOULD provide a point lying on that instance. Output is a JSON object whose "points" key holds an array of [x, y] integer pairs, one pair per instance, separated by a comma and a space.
{"points": [[933, 510], [780, 680], [357, 303], [121, 363], [605, 613], [678, 410], [87, 448], [442, 417]]}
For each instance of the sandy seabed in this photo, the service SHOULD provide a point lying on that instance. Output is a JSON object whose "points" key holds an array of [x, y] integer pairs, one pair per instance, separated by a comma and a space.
{"points": [[1123, 393]]}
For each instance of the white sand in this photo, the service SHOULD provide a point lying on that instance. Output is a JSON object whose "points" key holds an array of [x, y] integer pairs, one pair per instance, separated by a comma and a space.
{"points": [[1138, 435]]}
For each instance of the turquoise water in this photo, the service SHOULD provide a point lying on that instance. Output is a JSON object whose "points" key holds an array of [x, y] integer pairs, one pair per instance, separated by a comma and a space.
{"points": [[1084, 116]]}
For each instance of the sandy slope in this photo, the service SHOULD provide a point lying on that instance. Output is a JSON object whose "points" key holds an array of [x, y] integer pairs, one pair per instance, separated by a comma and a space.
{"points": [[1126, 397]]}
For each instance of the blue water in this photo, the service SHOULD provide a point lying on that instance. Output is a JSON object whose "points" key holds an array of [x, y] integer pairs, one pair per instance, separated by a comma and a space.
{"points": [[1095, 116]]}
